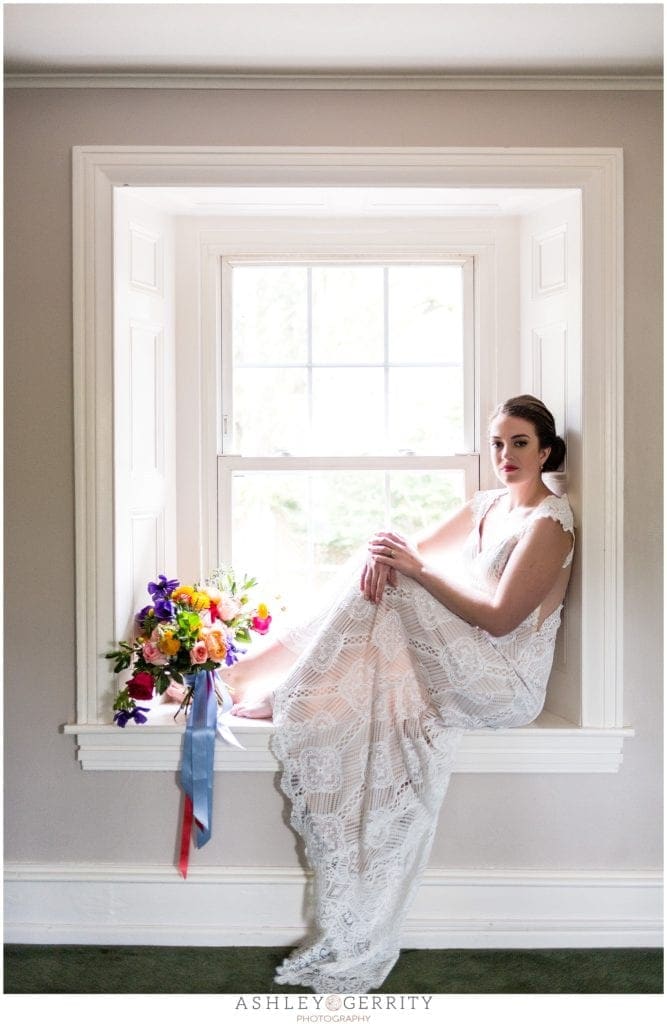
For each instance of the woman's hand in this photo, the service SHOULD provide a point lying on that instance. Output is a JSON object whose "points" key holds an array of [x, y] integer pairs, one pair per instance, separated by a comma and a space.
{"points": [[397, 553], [374, 578]]}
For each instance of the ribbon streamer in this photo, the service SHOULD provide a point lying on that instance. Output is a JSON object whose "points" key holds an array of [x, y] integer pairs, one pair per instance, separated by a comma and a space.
{"points": [[197, 763], [186, 832], [204, 722], [223, 731]]}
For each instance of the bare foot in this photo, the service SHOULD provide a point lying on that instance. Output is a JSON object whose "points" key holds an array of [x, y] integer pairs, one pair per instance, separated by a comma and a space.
{"points": [[259, 705], [237, 679]]}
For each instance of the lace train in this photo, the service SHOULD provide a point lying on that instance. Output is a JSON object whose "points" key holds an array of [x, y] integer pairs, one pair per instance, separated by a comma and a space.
{"points": [[367, 727]]}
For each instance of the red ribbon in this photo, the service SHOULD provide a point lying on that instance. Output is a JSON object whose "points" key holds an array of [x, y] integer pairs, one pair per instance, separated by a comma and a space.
{"points": [[186, 832]]}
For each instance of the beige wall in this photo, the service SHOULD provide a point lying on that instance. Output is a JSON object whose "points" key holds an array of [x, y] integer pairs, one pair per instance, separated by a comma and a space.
{"points": [[57, 813]]}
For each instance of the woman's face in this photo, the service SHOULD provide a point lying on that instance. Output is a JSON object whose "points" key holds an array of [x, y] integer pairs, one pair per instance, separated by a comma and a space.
{"points": [[515, 449]]}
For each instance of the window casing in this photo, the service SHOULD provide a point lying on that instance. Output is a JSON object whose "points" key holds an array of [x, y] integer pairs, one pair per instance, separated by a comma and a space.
{"points": [[595, 744]]}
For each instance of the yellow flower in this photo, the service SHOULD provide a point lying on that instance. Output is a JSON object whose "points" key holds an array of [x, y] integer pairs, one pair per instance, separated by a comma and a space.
{"points": [[199, 601], [169, 644], [196, 599], [262, 611]]}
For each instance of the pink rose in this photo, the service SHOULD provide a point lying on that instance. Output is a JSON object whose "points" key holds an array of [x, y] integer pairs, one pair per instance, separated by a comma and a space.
{"points": [[199, 653], [140, 687], [153, 655], [228, 607]]}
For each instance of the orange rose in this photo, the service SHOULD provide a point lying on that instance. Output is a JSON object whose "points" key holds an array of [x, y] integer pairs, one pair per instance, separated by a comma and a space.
{"points": [[215, 644]]}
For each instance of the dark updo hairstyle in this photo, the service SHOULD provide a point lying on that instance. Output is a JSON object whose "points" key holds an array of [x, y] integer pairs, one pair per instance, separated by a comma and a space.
{"points": [[527, 407]]}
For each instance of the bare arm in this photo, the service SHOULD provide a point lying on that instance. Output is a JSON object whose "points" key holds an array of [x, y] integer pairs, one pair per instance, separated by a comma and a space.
{"points": [[449, 533], [531, 572]]}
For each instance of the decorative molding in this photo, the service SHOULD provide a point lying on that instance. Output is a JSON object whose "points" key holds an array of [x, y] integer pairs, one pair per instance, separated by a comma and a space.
{"points": [[146, 397], [549, 347], [551, 745], [342, 80], [146, 260], [119, 904], [550, 262], [146, 540]]}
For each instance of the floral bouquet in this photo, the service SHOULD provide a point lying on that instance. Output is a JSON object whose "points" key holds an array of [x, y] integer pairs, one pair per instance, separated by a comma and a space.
{"points": [[186, 630]]}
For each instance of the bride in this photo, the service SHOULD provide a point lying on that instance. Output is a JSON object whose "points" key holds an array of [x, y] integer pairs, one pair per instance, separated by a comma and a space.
{"points": [[376, 693]]}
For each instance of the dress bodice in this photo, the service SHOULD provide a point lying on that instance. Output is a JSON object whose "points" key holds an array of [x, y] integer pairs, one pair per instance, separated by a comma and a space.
{"points": [[484, 565]]}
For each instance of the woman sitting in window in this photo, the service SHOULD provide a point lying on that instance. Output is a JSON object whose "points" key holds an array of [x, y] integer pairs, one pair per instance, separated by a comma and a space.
{"points": [[379, 690]]}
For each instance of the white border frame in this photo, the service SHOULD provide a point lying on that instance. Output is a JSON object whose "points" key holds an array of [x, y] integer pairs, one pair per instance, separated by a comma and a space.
{"points": [[596, 172]]}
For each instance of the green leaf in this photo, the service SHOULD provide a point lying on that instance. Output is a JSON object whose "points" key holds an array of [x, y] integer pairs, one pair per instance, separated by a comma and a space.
{"points": [[161, 682], [123, 701]]}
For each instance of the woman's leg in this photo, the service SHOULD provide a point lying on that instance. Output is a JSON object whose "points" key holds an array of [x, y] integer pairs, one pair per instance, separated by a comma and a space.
{"points": [[251, 681]]}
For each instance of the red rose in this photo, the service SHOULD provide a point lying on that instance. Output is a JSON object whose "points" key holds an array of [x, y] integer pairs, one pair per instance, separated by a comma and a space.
{"points": [[140, 687]]}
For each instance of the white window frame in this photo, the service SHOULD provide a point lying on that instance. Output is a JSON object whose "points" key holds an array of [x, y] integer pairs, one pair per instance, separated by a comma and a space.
{"points": [[229, 462], [594, 746], [204, 293]]}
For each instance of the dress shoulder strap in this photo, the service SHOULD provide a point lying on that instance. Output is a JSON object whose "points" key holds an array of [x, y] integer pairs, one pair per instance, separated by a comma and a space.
{"points": [[482, 502], [557, 508]]}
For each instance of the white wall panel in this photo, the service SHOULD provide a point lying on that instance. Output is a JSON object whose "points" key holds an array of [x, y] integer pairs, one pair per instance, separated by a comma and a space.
{"points": [[550, 371], [551, 359], [146, 260], [144, 406], [147, 545], [550, 262]]}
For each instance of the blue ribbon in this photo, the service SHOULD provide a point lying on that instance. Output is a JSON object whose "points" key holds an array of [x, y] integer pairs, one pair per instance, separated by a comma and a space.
{"points": [[199, 752]]}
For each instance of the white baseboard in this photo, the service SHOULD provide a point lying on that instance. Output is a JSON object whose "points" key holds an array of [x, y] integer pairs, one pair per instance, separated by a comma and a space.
{"points": [[115, 904]]}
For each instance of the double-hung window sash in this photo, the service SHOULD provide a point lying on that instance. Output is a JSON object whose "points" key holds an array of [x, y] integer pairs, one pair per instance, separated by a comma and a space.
{"points": [[347, 406]]}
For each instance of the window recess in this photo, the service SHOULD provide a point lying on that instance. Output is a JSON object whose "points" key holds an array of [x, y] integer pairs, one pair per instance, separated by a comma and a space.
{"points": [[588, 732]]}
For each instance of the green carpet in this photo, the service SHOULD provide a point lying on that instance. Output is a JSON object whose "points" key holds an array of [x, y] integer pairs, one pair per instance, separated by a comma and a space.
{"points": [[168, 969]]}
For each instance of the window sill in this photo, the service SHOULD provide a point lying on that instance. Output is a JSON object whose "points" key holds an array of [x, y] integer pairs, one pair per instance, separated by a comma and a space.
{"points": [[550, 744]]}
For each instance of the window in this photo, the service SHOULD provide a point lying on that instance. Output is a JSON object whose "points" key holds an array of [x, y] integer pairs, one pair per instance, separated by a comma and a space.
{"points": [[587, 733], [347, 404]]}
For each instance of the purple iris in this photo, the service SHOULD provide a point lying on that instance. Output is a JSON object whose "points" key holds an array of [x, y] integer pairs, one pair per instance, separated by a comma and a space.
{"points": [[140, 616], [161, 592], [232, 651], [163, 588], [121, 718], [164, 608]]}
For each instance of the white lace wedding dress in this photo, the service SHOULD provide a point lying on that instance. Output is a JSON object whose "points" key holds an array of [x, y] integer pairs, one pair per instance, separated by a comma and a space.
{"points": [[367, 727]]}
